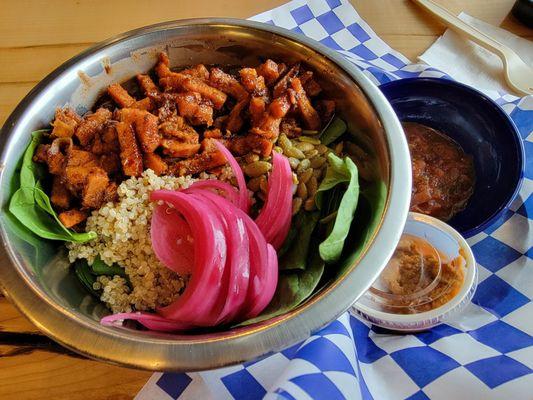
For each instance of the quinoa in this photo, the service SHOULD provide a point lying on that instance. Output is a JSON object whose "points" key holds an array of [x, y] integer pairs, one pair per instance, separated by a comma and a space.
{"points": [[123, 230]]}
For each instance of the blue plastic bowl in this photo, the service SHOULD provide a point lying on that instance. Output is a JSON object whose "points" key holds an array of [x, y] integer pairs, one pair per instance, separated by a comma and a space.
{"points": [[482, 129]]}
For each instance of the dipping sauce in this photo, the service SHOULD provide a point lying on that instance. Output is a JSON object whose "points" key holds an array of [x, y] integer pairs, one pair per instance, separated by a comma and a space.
{"points": [[418, 278], [443, 175]]}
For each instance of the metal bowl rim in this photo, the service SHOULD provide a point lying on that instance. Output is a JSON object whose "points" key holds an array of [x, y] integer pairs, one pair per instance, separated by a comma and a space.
{"points": [[393, 219]]}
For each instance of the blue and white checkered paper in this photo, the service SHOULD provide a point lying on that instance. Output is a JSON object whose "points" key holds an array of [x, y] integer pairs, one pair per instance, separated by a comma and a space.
{"points": [[485, 353]]}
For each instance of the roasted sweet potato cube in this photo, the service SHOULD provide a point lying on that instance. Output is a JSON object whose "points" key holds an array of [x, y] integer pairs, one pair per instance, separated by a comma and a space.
{"points": [[82, 158], [130, 155], [125, 100], [252, 82], [256, 109], [188, 83], [91, 125], [281, 86], [97, 147], [94, 188], [120, 95], [251, 143], [260, 145], [190, 106], [60, 196], [57, 155], [227, 84], [179, 129], [214, 133], [308, 113], [155, 163], [110, 163], [145, 125], [268, 127], [110, 193], [72, 218], [198, 163], [65, 123], [198, 71], [269, 70], [109, 139], [144, 104], [175, 148], [208, 145], [63, 128], [162, 68], [74, 177], [234, 122], [148, 86], [41, 154]]}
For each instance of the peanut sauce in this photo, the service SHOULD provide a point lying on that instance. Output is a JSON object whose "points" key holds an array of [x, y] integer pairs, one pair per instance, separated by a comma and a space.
{"points": [[419, 278]]}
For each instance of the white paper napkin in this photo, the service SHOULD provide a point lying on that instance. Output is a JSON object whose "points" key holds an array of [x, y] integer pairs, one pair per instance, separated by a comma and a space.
{"points": [[467, 62]]}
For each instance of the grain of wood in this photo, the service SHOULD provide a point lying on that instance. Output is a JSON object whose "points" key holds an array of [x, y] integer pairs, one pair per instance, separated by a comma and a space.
{"points": [[31, 64], [40, 374], [36, 36], [10, 95], [11, 320]]}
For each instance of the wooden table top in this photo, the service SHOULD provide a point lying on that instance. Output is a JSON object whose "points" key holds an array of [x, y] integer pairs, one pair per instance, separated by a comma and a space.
{"points": [[37, 36]]}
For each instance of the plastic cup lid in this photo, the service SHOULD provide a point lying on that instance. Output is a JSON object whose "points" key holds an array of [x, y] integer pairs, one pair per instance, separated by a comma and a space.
{"points": [[431, 276]]}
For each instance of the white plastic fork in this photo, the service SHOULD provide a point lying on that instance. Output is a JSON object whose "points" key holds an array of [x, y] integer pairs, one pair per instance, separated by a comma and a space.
{"points": [[518, 74]]}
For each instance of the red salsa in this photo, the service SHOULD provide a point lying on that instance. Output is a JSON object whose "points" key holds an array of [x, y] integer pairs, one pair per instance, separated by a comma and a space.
{"points": [[443, 175]]}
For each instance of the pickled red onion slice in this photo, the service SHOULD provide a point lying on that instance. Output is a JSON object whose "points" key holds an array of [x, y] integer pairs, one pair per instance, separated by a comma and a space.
{"points": [[237, 271], [228, 191], [237, 171], [198, 302], [263, 274], [148, 320], [172, 240], [274, 218]]}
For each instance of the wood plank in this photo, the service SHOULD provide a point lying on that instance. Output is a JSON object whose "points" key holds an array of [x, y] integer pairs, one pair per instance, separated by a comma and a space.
{"points": [[59, 21], [31, 64], [41, 374], [11, 320], [10, 95], [403, 17], [23, 69], [75, 22]]}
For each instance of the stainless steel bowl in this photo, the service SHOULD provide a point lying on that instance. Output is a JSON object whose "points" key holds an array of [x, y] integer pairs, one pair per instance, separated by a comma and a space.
{"points": [[34, 274]]}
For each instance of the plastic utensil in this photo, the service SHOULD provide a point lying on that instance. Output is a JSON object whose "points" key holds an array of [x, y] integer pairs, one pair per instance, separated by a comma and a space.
{"points": [[518, 74]]}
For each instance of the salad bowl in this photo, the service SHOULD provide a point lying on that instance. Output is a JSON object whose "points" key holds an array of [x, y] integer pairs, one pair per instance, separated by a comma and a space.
{"points": [[35, 274]]}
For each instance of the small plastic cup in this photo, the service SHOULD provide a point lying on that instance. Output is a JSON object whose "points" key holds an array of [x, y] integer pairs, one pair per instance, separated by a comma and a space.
{"points": [[436, 282]]}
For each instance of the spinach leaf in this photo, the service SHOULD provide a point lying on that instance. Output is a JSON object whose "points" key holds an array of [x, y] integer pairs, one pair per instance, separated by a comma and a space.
{"points": [[83, 272], [31, 205], [23, 207], [38, 251], [333, 131], [101, 268], [291, 235], [339, 171], [296, 256], [368, 216], [30, 171], [294, 287]]}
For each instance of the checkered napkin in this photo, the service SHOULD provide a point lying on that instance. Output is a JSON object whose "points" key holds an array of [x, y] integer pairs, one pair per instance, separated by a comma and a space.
{"points": [[485, 353]]}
